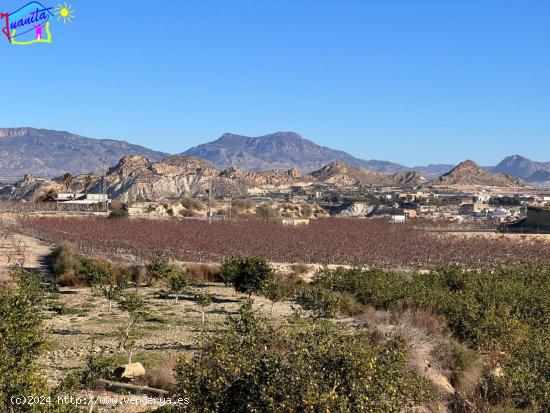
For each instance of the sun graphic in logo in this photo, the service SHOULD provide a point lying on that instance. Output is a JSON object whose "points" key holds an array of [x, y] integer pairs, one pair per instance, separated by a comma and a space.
{"points": [[65, 12]]}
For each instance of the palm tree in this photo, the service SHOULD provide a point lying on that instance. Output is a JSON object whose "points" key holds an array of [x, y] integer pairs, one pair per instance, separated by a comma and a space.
{"points": [[88, 180], [68, 180]]}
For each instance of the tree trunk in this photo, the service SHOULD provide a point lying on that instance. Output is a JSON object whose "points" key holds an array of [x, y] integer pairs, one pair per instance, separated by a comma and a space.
{"points": [[203, 315], [177, 296], [110, 305], [130, 357]]}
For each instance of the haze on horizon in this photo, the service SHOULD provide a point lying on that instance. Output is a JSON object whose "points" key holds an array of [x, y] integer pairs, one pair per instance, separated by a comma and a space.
{"points": [[411, 83]]}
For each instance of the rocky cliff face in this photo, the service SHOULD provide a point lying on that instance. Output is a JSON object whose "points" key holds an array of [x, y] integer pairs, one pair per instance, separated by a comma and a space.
{"points": [[135, 178]]}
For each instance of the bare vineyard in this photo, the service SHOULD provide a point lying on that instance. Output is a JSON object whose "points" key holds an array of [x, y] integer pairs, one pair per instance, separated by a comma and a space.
{"points": [[330, 241], [18, 207]]}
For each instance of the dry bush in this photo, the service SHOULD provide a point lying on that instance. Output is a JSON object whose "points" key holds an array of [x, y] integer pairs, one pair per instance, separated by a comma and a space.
{"points": [[65, 258], [161, 377], [71, 279], [204, 272], [140, 275], [290, 283], [117, 206], [192, 204], [423, 319], [300, 268]]}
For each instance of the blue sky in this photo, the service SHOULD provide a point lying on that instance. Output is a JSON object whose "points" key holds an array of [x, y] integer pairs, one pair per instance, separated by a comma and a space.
{"points": [[415, 82]]}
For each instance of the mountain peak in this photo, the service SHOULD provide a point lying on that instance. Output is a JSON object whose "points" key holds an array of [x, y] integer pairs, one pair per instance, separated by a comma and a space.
{"points": [[466, 165], [278, 151]]}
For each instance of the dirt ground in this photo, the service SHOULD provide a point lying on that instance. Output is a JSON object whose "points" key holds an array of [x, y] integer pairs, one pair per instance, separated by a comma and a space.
{"points": [[75, 317]]}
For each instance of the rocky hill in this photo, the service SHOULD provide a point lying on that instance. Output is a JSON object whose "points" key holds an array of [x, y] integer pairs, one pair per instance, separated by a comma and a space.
{"points": [[342, 174], [279, 151], [48, 153], [136, 178], [468, 176]]}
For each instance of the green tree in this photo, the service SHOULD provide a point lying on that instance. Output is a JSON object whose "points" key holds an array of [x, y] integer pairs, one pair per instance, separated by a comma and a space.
{"points": [[106, 280], [274, 292], [159, 268], [178, 282], [136, 309], [88, 180], [204, 300], [68, 180], [21, 339], [247, 274], [49, 196]]}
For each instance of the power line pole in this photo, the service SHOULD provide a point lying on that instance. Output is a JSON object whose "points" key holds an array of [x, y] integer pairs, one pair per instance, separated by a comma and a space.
{"points": [[103, 196], [209, 202]]}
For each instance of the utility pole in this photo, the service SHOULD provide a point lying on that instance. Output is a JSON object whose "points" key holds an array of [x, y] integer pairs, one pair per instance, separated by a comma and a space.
{"points": [[103, 196], [210, 202]]}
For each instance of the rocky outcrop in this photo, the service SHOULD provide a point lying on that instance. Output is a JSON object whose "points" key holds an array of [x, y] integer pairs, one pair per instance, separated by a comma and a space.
{"points": [[468, 175], [342, 174]]}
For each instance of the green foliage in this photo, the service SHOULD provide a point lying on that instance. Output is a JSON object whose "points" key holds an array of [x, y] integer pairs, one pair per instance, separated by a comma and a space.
{"points": [[274, 291], [178, 282], [502, 312], [136, 308], [159, 268], [49, 196], [21, 339], [378, 288], [323, 302], [119, 213], [65, 258], [204, 300], [105, 279], [247, 274], [254, 366], [21, 342]]}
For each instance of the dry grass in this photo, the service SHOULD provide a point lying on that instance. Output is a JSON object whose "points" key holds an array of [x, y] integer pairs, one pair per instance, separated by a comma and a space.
{"points": [[204, 272], [162, 376], [300, 268], [70, 279]]}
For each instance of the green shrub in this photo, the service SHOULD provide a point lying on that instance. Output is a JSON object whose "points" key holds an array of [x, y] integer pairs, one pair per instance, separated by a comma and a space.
{"points": [[65, 258], [254, 366], [106, 280], [322, 302], [159, 268], [502, 312], [178, 282], [21, 343], [247, 274], [119, 213]]}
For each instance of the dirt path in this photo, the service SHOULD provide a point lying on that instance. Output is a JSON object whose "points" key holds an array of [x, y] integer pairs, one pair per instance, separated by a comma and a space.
{"points": [[21, 250]]}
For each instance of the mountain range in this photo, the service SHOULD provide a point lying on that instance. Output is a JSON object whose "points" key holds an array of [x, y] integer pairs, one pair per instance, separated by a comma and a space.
{"points": [[50, 153]]}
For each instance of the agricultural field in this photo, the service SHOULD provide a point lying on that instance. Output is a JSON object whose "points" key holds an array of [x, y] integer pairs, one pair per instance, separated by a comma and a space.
{"points": [[246, 313], [375, 243]]}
